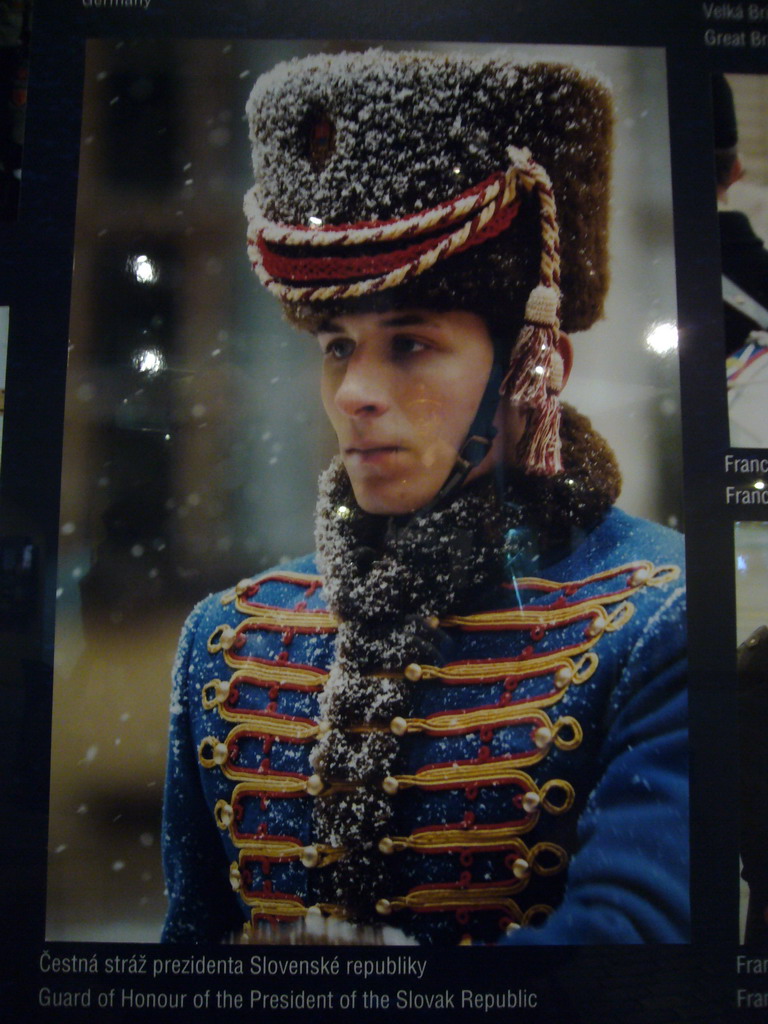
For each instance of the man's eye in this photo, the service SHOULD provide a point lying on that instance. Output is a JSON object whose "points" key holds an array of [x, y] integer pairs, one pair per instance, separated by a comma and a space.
{"points": [[339, 348], [405, 345]]}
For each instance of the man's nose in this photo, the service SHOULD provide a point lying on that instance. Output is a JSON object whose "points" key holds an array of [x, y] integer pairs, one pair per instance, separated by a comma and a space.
{"points": [[364, 390]]}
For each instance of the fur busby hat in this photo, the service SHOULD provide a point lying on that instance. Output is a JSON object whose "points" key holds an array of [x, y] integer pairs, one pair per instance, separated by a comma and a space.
{"points": [[437, 180], [363, 139]]}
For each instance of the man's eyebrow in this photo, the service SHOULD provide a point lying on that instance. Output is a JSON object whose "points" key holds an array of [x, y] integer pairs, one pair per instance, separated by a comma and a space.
{"points": [[396, 320], [328, 327], [405, 320]]}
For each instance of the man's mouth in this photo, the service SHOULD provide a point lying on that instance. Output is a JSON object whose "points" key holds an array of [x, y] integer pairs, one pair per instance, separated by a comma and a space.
{"points": [[370, 452], [372, 447]]}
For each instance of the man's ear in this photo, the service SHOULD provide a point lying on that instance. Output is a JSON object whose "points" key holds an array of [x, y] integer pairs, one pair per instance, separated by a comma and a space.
{"points": [[737, 171], [562, 362]]}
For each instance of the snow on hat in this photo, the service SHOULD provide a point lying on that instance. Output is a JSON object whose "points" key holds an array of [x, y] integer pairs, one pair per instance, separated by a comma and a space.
{"points": [[437, 180], [364, 138]]}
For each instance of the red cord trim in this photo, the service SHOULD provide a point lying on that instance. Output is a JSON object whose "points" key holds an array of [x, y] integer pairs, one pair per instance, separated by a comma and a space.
{"points": [[316, 266]]}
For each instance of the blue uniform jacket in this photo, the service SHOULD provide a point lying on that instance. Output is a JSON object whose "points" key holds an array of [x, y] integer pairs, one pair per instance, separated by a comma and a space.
{"points": [[540, 794]]}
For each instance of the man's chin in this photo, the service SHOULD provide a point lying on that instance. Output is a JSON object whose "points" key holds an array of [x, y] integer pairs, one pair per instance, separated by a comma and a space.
{"points": [[383, 501], [383, 493]]}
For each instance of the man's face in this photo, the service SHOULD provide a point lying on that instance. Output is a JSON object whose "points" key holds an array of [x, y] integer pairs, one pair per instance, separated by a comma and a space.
{"points": [[401, 390]]}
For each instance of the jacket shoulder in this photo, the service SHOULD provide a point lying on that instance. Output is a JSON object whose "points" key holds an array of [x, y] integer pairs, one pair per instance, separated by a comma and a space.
{"points": [[280, 587], [621, 537], [297, 573]]}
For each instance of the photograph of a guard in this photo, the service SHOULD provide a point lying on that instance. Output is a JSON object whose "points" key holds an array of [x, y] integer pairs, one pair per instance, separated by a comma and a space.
{"points": [[464, 718]]}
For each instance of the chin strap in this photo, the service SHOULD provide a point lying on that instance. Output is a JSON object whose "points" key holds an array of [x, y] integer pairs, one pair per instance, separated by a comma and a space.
{"points": [[478, 440], [534, 377]]}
